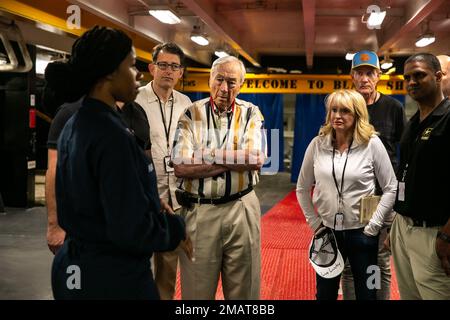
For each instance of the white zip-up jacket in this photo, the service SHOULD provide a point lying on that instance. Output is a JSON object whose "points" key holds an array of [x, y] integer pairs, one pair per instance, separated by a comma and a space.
{"points": [[365, 164]]}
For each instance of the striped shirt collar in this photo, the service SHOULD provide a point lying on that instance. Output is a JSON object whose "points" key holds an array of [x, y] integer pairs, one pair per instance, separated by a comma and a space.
{"points": [[216, 110]]}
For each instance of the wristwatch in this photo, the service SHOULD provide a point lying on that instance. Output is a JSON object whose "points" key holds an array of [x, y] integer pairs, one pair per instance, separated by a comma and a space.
{"points": [[443, 236]]}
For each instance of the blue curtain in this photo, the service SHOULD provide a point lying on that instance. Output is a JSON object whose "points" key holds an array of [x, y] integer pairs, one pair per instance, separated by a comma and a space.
{"points": [[400, 98], [271, 106], [309, 116]]}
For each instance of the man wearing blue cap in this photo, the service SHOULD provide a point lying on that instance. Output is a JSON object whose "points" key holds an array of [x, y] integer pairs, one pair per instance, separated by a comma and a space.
{"points": [[387, 115]]}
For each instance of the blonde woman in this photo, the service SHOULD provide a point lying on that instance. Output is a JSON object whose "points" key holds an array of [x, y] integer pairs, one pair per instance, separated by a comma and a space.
{"points": [[342, 164]]}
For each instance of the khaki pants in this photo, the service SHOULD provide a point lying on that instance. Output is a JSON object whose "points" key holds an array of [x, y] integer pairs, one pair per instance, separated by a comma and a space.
{"points": [[165, 266], [417, 266], [384, 263], [226, 241]]}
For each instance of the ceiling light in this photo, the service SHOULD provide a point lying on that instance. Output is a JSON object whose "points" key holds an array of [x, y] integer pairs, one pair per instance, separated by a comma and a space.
{"points": [[221, 53], [276, 70], [349, 56], [425, 40], [427, 37], [386, 63], [200, 40], [376, 19], [198, 37], [165, 16]]}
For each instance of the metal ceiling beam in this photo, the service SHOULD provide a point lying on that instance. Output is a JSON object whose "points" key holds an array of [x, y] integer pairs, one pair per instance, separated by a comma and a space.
{"points": [[416, 12], [205, 10], [309, 19]]}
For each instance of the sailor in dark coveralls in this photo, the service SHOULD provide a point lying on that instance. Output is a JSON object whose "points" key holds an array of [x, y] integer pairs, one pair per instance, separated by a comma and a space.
{"points": [[106, 191]]}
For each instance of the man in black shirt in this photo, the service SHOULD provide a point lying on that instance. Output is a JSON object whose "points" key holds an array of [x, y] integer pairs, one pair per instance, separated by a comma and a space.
{"points": [[55, 234], [387, 115], [420, 235]]}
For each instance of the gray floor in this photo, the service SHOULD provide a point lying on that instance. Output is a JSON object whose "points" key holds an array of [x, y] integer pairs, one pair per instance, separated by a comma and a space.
{"points": [[25, 260]]}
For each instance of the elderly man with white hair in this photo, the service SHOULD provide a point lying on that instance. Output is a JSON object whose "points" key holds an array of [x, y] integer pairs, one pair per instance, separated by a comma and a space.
{"points": [[218, 150]]}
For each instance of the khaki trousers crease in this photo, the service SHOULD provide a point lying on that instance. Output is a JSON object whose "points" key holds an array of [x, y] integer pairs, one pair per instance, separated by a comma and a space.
{"points": [[226, 241], [420, 275], [165, 265]]}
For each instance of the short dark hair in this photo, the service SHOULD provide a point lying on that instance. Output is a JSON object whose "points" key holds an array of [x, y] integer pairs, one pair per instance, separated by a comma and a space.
{"points": [[430, 59], [168, 47]]}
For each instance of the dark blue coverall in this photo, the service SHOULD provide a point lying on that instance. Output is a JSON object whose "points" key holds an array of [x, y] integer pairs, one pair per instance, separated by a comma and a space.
{"points": [[108, 204]]}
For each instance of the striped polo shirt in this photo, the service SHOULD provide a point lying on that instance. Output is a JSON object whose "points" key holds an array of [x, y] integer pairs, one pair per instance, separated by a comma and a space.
{"points": [[201, 128]]}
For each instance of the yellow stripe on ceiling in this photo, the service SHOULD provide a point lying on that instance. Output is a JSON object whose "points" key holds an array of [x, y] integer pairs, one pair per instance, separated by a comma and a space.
{"points": [[53, 13], [35, 14]]}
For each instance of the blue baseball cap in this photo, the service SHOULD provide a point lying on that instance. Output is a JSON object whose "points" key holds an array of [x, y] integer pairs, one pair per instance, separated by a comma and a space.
{"points": [[365, 58]]}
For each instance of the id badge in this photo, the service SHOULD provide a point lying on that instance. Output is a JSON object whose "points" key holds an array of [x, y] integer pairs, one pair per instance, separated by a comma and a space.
{"points": [[401, 191], [339, 221], [168, 165]]}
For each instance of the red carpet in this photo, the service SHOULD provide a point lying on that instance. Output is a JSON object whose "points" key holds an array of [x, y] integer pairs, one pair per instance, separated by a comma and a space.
{"points": [[285, 270]]}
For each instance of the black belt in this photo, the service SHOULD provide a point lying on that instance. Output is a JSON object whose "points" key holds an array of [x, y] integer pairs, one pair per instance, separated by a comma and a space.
{"points": [[221, 200], [425, 224]]}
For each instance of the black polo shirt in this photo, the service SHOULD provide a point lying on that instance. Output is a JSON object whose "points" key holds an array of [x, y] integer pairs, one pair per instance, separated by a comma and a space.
{"points": [[387, 115], [136, 119], [106, 188], [425, 167], [63, 114]]}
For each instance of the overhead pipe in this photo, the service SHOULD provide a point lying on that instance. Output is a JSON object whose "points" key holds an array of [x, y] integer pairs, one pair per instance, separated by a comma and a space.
{"points": [[6, 32]]}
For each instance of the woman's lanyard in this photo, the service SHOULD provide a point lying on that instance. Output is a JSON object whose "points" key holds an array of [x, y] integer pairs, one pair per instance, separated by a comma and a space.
{"points": [[339, 217], [166, 129], [216, 129]]}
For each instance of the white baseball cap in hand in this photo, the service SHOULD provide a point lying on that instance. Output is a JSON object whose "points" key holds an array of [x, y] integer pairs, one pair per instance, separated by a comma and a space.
{"points": [[324, 254]]}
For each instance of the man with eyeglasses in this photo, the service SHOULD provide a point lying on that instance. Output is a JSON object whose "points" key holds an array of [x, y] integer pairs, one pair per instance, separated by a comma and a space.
{"points": [[163, 106], [387, 115]]}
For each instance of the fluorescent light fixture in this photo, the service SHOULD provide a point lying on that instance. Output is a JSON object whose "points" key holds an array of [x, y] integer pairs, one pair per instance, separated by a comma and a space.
{"points": [[221, 53], [425, 40], [199, 39], [349, 56], [386, 64], [376, 19], [165, 16]]}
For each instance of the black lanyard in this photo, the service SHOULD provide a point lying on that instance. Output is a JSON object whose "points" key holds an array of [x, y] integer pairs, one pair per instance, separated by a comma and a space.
{"points": [[166, 129], [340, 191]]}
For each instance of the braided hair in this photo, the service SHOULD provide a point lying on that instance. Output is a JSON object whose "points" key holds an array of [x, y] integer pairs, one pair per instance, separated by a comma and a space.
{"points": [[97, 53]]}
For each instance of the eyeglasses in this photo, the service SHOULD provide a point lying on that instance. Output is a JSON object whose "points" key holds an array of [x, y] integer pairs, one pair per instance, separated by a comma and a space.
{"points": [[164, 65]]}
